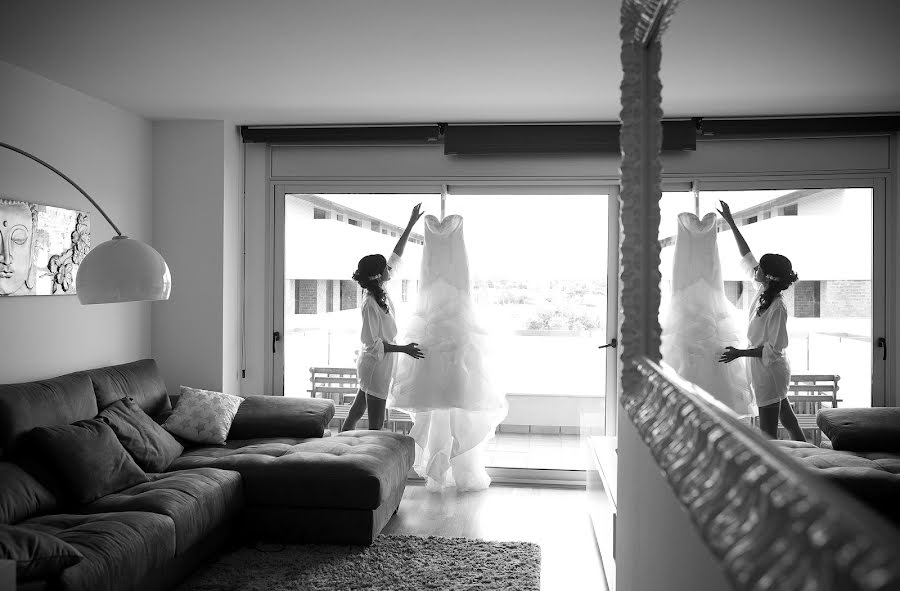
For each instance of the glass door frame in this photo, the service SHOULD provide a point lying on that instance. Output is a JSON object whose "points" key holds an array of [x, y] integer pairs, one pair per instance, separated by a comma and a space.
{"points": [[609, 187], [275, 354], [881, 272]]}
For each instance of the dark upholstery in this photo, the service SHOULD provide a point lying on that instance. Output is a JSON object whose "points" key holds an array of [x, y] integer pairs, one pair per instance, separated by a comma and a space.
{"points": [[861, 429], [353, 470], [286, 479], [87, 458], [152, 447], [279, 416], [872, 477], [120, 549], [140, 380], [57, 401], [38, 555], [195, 500], [21, 495]]}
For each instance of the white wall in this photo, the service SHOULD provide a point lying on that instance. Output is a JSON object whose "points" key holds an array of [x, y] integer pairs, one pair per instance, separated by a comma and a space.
{"points": [[196, 227], [232, 249], [257, 297], [107, 151], [657, 546]]}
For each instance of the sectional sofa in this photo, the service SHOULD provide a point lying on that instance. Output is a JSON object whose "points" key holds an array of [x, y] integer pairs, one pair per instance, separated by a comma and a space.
{"points": [[279, 476], [861, 455]]}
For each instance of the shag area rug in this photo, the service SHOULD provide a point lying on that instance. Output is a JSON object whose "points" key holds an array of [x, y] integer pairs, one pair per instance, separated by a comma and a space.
{"points": [[391, 563]]}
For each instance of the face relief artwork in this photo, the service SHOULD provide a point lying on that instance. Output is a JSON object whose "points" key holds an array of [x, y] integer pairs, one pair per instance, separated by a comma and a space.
{"points": [[41, 247]]}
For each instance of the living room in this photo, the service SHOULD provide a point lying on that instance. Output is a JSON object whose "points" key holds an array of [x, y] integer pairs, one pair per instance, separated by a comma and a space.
{"points": [[143, 105]]}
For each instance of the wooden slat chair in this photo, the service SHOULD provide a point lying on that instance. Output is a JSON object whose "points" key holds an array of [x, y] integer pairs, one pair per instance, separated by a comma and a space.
{"points": [[340, 385], [809, 393]]}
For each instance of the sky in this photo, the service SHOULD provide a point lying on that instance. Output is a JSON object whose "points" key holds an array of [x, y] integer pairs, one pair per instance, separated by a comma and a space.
{"points": [[513, 236]]}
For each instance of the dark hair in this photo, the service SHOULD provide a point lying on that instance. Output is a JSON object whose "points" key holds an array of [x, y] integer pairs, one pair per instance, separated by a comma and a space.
{"points": [[368, 272], [780, 275]]}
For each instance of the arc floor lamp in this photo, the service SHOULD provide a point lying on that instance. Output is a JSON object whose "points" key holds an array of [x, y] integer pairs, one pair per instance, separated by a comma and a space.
{"points": [[119, 270]]}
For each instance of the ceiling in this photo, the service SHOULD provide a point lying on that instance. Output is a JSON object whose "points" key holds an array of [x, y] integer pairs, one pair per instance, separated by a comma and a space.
{"points": [[458, 61]]}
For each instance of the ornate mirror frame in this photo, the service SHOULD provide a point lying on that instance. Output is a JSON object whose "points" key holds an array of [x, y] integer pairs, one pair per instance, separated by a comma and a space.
{"points": [[770, 522]]}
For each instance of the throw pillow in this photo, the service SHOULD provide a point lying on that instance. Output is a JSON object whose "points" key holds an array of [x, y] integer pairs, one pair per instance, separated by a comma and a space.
{"points": [[38, 555], [203, 416], [151, 446], [87, 458]]}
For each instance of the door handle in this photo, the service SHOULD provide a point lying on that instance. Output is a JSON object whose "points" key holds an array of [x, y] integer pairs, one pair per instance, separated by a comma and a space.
{"points": [[276, 336], [613, 343], [882, 342]]}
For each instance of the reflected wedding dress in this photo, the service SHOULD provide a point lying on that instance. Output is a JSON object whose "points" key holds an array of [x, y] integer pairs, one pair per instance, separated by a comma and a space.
{"points": [[700, 321], [455, 403]]}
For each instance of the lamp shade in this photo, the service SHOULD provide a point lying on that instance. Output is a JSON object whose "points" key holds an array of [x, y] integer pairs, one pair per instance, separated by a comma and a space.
{"points": [[122, 270]]}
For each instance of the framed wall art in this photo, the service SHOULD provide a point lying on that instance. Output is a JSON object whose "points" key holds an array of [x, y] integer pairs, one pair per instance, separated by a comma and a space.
{"points": [[41, 247]]}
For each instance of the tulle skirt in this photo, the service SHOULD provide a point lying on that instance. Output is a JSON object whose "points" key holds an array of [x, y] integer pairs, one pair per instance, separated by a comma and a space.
{"points": [[455, 400], [698, 326]]}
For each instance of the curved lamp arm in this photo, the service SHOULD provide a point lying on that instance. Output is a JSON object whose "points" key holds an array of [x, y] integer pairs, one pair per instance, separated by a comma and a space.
{"points": [[118, 270], [70, 181]]}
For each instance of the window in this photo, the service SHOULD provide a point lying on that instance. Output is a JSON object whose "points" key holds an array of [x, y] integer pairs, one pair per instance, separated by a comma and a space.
{"points": [[751, 220], [340, 217], [767, 215], [393, 234], [383, 231], [320, 214], [830, 246], [808, 297], [352, 222], [376, 226]]}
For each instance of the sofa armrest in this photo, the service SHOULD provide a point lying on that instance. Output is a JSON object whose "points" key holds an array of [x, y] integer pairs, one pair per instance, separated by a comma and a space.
{"points": [[279, 416], [861, 429]]}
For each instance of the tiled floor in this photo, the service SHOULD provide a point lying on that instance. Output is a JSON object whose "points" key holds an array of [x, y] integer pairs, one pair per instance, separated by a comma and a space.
{"points": [[536, 450]]}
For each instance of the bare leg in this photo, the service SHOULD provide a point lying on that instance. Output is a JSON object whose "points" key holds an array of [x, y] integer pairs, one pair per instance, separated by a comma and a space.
{"points": [[768, 420], [789, 420], [356, 412], [376, 412]]}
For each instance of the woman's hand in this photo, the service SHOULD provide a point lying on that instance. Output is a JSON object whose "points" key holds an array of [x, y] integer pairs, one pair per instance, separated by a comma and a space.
{"points": [[415, 215], [725, 212], [730, 355], [413, 351]]}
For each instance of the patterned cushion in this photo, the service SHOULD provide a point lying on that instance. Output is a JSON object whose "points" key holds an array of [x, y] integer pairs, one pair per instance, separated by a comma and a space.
{"points": [[203, 416]]}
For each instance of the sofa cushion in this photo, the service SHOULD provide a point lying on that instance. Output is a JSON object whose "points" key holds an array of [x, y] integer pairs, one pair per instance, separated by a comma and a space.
{"points": [[861, 429], [279, 416], [57, 401], [86, 457], [140, 380], [38, 555], [873, 478], [197, 501], [21, 495], [353, 470], [203, 416], [121, 550], [152, 447]]}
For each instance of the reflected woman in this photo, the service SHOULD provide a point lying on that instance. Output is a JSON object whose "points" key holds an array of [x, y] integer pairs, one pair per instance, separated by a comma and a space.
{"points": [[17, 223]]}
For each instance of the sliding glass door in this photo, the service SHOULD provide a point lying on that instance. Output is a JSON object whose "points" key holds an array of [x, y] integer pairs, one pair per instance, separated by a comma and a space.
{"points": [[538, 264]]}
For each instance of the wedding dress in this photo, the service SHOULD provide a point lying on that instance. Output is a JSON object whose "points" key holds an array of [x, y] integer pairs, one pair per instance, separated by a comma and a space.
{"points": [[455, 402], [700, 321]]}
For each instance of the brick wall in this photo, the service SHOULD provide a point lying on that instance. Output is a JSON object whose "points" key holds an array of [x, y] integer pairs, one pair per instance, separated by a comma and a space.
{"points": [[348, 295], [846, 298], [806, 299], [305, 295]]}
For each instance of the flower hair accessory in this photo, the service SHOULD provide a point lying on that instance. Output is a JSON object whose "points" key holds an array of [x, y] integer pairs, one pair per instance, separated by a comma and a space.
{"points": [[375, 277]]}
